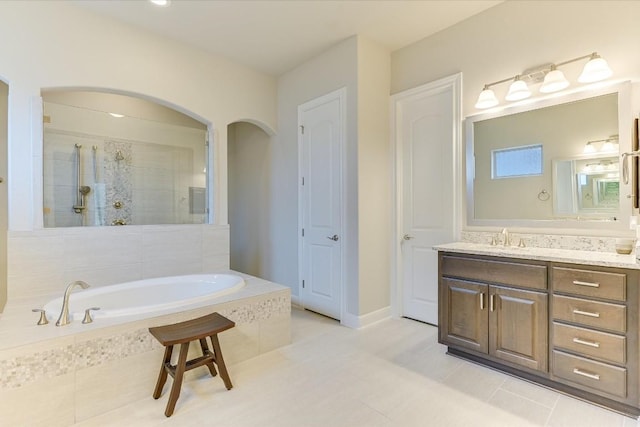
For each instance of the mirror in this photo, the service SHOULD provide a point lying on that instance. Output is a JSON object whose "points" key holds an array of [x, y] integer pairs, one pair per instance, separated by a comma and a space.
{"points": [[528, 166], [586, 187], [112, 159]]}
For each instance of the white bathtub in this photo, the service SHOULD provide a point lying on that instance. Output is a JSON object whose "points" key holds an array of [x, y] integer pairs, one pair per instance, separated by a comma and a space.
{"points": [[146, 296]]}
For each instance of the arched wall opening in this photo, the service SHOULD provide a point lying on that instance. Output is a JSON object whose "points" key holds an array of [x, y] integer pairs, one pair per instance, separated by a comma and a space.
{"points": [[249, 197]]}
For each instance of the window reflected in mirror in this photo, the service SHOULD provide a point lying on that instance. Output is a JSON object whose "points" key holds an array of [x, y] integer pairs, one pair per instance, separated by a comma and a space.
{"points": [[119, 160]]}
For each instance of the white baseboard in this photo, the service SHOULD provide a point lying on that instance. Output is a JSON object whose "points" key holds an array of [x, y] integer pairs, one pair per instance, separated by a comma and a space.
{"points": [[358, 322]]}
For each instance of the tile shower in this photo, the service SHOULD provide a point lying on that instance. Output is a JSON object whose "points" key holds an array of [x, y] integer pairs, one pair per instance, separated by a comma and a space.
{"points": [[136, 171]]}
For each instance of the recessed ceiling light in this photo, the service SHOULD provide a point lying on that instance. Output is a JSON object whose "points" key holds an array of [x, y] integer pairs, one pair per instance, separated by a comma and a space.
{"points": [[162, 3]]}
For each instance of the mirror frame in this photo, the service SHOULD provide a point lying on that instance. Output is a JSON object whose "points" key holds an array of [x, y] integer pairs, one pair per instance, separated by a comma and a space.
{"points": [[585, 225]]}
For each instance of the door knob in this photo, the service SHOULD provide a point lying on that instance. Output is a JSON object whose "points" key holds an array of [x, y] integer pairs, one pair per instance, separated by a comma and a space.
{"points": [[407, 237], [335, 238]]}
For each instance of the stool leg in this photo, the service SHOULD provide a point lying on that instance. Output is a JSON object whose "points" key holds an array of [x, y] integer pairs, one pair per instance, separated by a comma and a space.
{"points": [[205, 350], [177, 379], [162, 377], [220, 361]]}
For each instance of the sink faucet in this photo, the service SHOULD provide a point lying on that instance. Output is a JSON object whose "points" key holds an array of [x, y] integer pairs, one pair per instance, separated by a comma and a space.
{"points": [[507, 239], [64, 313]]}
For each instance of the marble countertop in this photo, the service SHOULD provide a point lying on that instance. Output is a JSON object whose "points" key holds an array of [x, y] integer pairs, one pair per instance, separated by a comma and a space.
{"points": [[601, 259]]}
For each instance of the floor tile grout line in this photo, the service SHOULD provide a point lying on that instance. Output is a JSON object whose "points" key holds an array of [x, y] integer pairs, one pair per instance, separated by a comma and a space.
{"points": [[533, 400]]}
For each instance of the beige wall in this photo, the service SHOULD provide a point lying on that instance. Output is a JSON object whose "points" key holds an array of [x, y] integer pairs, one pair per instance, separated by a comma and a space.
{"points": [[4, 94], [515, 35], [60, 45], [249, 199], [329, 71], [363, 68], [374, 176], [55, 44]]}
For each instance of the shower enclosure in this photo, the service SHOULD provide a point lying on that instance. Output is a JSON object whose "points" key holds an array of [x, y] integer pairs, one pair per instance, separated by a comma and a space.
{"points": [[110, 169]]}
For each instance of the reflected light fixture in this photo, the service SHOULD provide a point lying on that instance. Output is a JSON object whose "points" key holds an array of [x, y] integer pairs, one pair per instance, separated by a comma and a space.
{"points": [[116, 115], [610, 145], [518, 90], [596, 69]]}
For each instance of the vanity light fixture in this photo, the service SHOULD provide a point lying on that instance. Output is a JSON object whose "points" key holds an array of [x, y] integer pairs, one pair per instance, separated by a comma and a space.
{"points": [[595, 69]]}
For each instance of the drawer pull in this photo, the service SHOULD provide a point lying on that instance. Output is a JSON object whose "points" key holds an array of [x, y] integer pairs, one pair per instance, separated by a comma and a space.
{"points": [[585, 342], [491, 302], [590, 284], [481, 300], [586, 313], [586, 374]]}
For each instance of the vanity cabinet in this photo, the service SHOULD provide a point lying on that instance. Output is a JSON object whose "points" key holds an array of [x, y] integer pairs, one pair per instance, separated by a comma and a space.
{"points": [[571, 327], [594, 330], [490, 311]]}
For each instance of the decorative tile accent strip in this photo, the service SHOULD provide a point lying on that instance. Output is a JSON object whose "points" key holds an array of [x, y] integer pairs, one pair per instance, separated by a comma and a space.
{"points": [[17, 372], [262, 310], [26, 369], [551, 241]]}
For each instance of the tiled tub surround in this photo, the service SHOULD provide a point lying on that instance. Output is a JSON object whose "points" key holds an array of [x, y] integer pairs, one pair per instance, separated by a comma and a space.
{"points": [[551, 241], [60, 375], [45, 261]]}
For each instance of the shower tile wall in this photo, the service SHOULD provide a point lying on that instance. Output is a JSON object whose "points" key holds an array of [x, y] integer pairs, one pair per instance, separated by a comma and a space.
{"points": [[118, 160]]}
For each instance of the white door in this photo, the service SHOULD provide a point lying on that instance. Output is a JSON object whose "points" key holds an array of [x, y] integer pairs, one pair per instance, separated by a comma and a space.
{"points": [[426, 133], [321, 135]]}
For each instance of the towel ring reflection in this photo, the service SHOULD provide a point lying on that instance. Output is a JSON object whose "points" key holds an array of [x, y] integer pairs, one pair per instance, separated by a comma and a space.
{"points": [[544, 195]]}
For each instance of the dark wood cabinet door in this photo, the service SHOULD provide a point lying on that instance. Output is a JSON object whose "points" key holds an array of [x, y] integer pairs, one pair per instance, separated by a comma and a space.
{"points": [[465, 323], [518, 322]]}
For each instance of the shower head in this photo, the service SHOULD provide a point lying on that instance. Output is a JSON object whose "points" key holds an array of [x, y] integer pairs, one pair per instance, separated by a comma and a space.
{"points": [[84, 190]]}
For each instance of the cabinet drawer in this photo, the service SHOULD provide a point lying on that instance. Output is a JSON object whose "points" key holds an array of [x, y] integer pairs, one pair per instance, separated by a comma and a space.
{"points": [[599, 284], [595, 375], [507, 273], [600, 345], [590, 313]]}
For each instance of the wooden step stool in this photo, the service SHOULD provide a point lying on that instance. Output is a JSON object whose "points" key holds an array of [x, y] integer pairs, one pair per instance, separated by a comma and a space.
{"points": [[183, 333]]}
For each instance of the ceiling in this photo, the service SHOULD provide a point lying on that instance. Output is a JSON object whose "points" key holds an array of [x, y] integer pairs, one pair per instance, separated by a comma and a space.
{"points": [[276, 36]]}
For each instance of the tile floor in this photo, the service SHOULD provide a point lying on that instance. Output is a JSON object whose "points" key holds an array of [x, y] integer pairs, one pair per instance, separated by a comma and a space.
{"points": [[393, 373]]}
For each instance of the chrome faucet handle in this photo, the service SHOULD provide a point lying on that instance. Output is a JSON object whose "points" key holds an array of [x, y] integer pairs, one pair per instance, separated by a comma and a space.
{"points": [[521, 243], [43, 316], [87, 315], [494, 241]]}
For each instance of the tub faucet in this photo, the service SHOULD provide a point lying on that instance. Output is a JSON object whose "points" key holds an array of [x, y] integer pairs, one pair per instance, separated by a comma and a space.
{"points": [[64, 313], [507, 239]]}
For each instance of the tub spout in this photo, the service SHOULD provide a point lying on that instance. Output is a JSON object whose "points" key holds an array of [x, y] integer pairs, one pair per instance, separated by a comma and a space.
{"points": [[64, 313]]}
